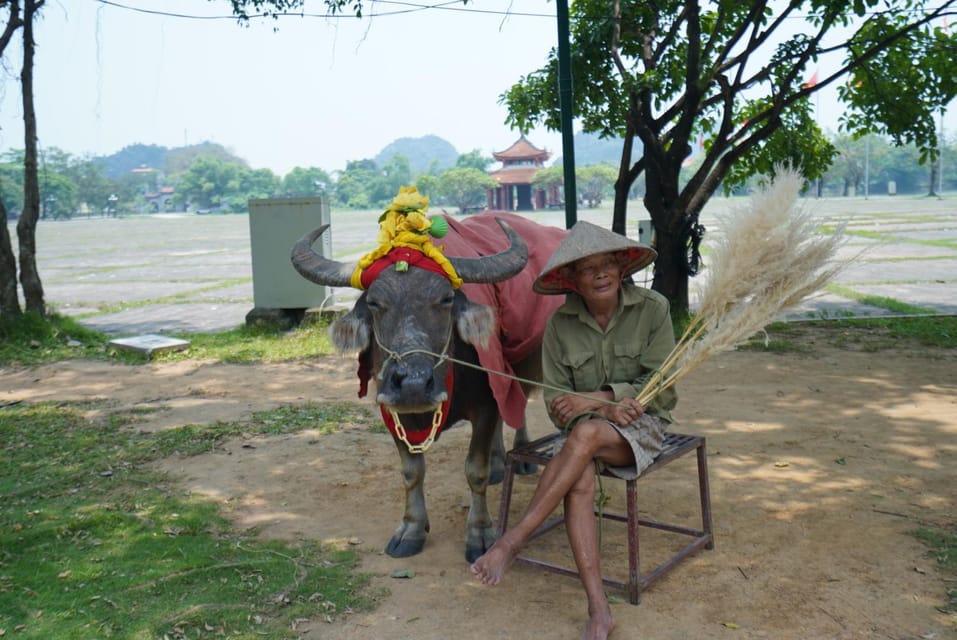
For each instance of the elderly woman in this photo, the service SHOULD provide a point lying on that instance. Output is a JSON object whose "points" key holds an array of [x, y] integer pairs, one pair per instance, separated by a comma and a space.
{"points": [[601, 345]]}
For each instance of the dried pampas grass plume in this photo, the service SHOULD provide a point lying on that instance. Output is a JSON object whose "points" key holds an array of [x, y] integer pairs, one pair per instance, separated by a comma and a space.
{"points": [[770, 257]]}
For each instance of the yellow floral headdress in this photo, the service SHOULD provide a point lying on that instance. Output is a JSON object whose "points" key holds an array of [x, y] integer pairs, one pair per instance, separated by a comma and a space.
{"points": [[404, 224]]}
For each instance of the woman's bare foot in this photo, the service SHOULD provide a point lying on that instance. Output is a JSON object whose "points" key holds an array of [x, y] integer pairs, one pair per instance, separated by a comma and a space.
{"points": [[599, 627], [490, 568]]}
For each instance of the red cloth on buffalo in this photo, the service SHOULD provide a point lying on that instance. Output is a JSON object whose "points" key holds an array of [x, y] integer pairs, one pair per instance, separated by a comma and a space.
{"points": [[521, 312]]}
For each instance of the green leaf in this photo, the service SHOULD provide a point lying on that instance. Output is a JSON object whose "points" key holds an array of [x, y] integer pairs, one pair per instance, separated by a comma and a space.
{"points": [[403, 573]]}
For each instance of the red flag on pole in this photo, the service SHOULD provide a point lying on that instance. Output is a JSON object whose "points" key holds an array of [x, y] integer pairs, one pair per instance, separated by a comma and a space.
{"points": [[811, 82]]}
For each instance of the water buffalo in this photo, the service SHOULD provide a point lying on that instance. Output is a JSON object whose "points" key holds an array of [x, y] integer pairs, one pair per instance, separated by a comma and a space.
{"points": [[408, 322]]}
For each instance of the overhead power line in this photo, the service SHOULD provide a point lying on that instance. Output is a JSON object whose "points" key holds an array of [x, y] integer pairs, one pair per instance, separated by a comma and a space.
{"points": [[410, 7], [455, 6]]}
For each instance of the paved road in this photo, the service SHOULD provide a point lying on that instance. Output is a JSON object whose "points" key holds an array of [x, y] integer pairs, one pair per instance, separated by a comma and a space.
{"points": [[175, 274]]}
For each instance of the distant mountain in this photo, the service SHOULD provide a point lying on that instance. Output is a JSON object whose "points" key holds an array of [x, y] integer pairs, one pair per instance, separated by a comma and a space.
{"points": [[180, 158], [590, 149], [421, 153], [131, 157], [169, 161]]}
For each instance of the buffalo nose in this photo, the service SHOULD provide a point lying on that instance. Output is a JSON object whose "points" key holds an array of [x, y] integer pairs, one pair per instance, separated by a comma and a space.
{"points": [[409, 383]]}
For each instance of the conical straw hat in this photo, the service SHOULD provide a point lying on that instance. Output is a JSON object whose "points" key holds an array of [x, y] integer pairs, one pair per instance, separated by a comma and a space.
{"points": [[586, 239]]}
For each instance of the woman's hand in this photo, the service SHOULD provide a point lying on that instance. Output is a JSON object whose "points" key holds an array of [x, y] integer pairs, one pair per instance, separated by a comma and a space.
{"points": [[567, 406], [625, 412]]}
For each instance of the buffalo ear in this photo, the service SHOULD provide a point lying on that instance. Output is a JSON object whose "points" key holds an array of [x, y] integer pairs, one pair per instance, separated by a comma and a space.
{"points": [[351, 332], [474, 322]]}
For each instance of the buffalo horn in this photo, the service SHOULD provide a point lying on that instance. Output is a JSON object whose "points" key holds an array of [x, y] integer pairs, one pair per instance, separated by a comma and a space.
{"points": [[314, 267], [496, 267]]}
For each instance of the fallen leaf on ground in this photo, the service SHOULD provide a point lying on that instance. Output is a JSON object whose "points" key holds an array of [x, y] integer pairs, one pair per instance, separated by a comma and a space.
{"points": [[403, 573]]}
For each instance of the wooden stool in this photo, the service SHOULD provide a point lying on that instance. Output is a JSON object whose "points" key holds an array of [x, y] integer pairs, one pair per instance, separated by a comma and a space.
{"points": [[676, 445]]}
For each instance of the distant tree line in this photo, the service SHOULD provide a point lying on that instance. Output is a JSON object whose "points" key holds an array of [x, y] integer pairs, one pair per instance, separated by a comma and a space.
{"points": [[218, 182], [871, 165]]}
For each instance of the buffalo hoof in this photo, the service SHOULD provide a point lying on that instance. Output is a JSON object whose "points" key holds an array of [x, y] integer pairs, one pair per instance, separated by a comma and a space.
{"points": [[473, 553], [403, 548], [496, 476], [479, 542]]}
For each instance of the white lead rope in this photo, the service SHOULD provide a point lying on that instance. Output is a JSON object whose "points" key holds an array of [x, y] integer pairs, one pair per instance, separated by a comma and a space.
{"points": [[437, 417]]}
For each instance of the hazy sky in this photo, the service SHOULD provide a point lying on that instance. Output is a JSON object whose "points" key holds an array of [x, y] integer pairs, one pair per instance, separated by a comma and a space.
{"points": [[307, 91], [300, 91]]}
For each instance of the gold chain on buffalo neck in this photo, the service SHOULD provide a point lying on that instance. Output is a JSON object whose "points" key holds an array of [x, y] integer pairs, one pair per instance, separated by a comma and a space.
{"points": [[437, 419]]}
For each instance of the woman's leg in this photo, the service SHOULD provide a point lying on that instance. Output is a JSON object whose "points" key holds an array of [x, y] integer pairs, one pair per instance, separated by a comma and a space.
{"points": [[589, 440], [582, 529]]}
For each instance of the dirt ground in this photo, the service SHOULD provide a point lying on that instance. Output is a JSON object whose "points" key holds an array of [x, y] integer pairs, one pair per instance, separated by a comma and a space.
{"points": [[821, 465]]}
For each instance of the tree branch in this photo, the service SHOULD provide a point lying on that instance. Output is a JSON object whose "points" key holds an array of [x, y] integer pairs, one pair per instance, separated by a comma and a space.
{"points": [[14, 22]]}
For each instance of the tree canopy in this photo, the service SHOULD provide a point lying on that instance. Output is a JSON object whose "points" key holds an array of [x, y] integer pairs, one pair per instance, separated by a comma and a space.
{"points": [[735, 74], [463, 187]]}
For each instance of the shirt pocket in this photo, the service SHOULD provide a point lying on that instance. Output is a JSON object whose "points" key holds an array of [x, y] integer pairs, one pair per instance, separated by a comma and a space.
{"points": [[583, 367], [627, 367]]}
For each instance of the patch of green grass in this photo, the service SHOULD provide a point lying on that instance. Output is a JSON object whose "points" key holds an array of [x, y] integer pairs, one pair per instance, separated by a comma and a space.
{"points": [[30, 339], [936, 331], [778, 337], [324, 418], [881, 302], [888, 237], [864, 334], [95, 545], [759, 343], [890, 260], [943, 548], [259, 343]]}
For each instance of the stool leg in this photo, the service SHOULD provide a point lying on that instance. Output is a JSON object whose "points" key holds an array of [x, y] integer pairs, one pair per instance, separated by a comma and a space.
{"points": [[634, 564], [506, 500], [704, 490]]}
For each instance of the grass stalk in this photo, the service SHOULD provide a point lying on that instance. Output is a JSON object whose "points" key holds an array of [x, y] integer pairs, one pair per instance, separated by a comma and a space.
{"points": [[771, 257]]}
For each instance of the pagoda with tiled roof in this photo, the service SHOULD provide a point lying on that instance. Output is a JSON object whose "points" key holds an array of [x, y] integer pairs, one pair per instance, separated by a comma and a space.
{"points": [[520, 163]]}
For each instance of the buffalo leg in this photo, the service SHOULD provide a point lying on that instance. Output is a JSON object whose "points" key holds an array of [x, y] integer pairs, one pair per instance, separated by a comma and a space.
{"points": [[481, 532], [521, 438], [499, 452], [410, 535], [530, 369], [497, 456]]}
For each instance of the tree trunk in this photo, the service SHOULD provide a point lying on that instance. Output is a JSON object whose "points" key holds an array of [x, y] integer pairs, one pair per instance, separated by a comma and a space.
{"points": [[9, 303], [671, 274], [620, 208], [664, 206], [671, 266], [26, 226], [623, 184]]}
